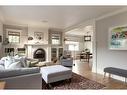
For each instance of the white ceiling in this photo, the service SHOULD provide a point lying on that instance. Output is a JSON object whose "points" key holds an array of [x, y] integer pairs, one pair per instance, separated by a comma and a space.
{"points": [[81, 31], [57, 16]]}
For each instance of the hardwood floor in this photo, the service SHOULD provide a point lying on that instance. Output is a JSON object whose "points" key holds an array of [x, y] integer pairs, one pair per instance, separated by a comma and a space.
{"points": [[84, 69]]}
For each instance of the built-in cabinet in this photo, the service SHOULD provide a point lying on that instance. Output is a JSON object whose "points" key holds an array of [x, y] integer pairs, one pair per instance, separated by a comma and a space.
{"points": [[56, 53], [56, 42]]}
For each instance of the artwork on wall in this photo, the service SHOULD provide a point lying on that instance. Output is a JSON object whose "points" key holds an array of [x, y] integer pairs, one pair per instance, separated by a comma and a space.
{"points": [[39, 36], [118, 38]]}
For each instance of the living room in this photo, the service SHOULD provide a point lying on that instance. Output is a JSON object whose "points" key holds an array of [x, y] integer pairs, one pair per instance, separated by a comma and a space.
{"points": [[47, 34]]}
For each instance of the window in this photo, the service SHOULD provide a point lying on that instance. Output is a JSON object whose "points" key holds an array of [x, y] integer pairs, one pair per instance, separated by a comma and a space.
{"points": [[55, 39], [13, 37], [72, 46]]}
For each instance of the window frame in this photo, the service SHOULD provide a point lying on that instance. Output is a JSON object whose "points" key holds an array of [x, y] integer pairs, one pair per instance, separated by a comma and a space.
{"points": [[15, 31], [72, 43]]}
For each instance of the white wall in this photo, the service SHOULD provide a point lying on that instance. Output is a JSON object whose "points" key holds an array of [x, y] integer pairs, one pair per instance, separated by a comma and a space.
{"points": [[106, 57], [1, 33]]}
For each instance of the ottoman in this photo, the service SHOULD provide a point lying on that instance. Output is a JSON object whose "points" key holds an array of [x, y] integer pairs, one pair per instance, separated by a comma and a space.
{"points": [[55, 73]]}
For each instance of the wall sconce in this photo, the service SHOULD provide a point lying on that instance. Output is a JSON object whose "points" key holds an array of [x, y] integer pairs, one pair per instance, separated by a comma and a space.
{"points": [[30, 38], [87, 38]]}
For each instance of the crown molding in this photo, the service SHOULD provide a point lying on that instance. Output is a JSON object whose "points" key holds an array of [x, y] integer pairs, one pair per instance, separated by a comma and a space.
{"points": [[92, 21], [84, 23], [112, 14]]}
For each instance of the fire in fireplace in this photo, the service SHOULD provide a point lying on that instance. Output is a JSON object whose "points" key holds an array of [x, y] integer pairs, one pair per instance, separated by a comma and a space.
{"points": [[40, 54]]}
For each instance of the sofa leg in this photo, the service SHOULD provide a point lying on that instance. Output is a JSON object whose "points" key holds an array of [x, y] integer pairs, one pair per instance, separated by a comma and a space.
{"points": [[49, 86], [104, 75], [109, 75]]}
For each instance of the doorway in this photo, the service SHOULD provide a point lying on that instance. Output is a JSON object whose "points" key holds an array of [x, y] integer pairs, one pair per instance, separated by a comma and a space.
{"points": [[79, 42]]}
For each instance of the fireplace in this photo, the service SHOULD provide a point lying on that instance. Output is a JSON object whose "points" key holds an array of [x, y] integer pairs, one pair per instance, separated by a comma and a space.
{"points": [[40, 54]]}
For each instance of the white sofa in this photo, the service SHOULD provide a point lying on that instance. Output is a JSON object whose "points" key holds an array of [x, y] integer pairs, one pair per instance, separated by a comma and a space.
{"points": [[22, 78], [17, 75]]}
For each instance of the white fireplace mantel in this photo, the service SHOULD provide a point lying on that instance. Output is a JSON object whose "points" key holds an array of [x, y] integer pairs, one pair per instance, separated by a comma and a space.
{"points": [[32, 47], [38, 44]]}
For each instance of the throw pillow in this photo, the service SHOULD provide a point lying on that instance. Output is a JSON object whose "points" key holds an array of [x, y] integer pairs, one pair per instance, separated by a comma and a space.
{"points": [[9, 60], [24, 61], [2, 62], [15, 65]]}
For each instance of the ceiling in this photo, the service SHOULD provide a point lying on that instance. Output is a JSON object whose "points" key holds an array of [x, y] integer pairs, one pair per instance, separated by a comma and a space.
{"points": [[53, 16], [81, 31]]}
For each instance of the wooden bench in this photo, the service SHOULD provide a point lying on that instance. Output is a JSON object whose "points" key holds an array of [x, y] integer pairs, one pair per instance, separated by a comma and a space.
{"points": [[115, 71]]}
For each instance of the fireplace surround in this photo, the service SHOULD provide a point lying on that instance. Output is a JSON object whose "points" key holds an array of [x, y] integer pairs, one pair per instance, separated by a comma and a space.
{"points": [[40, 54]]}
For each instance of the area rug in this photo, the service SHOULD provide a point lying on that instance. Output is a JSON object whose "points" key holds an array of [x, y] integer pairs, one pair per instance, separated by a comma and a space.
{"points": [[77, 82]]}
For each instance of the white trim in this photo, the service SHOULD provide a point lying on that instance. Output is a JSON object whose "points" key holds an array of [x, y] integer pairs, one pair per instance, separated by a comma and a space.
{"points": [[84, 23], [94, 48], [14, 30]]}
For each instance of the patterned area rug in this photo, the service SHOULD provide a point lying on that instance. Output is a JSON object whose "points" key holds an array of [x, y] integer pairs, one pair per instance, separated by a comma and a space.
{"points": [[77, 82]]}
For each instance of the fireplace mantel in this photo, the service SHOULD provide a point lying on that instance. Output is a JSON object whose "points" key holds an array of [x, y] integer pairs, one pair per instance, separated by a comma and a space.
{"points": [[38, 44], [31, 48]]}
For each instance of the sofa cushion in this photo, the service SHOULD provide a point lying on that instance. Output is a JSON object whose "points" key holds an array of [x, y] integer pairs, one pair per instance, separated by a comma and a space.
{"points": [[2, 62], [1, 67], [21, 59], [7, 61], [15, 65], [17, 72]]}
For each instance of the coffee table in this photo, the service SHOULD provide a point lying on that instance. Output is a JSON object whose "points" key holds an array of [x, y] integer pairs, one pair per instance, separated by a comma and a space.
{"points": [[55, 73]]}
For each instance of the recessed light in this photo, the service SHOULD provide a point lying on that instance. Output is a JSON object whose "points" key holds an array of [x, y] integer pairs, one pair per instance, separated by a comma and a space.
{"points": [[44, 21]]}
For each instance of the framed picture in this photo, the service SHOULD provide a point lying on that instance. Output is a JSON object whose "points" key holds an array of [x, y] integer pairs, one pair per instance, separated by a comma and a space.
{"points": [[39, 36], [87, 38], [0, 38], [118, 38]]}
